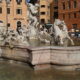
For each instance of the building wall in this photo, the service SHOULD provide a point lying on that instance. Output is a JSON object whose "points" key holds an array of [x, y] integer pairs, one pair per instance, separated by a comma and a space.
{"points": [[13, 17], [44, 11], [69, 13], [3, 14], [53, 10]]}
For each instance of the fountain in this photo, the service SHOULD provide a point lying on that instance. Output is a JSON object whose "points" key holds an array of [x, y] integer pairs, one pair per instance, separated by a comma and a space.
{"points": [[2, 33], [33, 21], [16, 45]]}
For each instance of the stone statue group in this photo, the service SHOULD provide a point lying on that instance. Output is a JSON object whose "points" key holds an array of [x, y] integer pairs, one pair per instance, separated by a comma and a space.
{"points": [[58, 32]]}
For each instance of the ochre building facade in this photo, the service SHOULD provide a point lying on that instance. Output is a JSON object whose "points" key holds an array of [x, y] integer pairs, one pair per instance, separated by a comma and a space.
{"points": [[13, 13], [44, 11]]}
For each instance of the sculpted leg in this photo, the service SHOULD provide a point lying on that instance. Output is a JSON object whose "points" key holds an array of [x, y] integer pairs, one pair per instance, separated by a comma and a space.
{"points": [[71, 40]]}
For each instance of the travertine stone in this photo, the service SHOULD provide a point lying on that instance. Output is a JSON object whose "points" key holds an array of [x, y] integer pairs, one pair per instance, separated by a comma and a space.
{"points": [[42, 57], [66, 56], [16, 53]]}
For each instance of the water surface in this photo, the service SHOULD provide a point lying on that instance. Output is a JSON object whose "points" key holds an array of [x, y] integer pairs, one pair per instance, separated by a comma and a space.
{"points": [[24, 72], [37, 43]]}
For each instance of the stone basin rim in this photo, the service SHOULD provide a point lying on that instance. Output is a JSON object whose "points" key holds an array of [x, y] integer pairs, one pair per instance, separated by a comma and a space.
{"points": [[46, 47], [55, 48], [29, 54]]}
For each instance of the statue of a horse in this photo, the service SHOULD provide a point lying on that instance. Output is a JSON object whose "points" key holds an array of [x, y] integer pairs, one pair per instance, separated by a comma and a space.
{"points": [[44, 36], [61, 32]]}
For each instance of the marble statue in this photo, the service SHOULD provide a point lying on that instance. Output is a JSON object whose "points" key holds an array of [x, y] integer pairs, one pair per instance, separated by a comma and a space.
{"points": [[32, 12], [61, 32], [34, 31], [23, 38], [2, 33], [11, 38], [32, 20], [44, 36], [15, 39]]}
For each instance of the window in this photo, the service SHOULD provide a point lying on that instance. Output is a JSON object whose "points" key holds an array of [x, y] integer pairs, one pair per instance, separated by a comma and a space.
{"points": [[79, 14], [8, 10], [0, 10], [63, 16], [1, 21], [69, 5], [56, 7], [19, 11], [42, 13], [75, 4], [55, 0], [42, 21], [18, 27], [18, 2], [74, 26], [18, 24], [8, 24], [63, 5], [75, 15], [42, 6], [55, 15]]}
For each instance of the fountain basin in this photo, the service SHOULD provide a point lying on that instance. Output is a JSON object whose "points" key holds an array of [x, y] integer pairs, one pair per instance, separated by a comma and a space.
{"points": [[61, 57], [17, 53], [65, 58]]}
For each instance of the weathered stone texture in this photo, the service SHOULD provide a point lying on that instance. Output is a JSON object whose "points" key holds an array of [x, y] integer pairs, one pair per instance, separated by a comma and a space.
{"points": [[42, 57], [56, 55], [16, 53]]}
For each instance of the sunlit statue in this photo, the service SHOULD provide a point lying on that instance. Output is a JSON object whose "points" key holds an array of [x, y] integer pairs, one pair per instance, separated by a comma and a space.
{"points": [[61, 32], [44, 36], [32, 20], [34, 25], [2, 33], [14, 39], [32, 12]]}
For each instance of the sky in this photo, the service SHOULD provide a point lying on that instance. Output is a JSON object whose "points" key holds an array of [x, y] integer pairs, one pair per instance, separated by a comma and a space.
{"points": [[28, 0], [31, 1]]}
